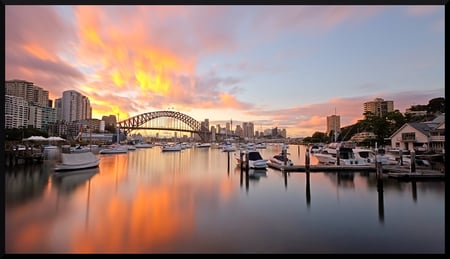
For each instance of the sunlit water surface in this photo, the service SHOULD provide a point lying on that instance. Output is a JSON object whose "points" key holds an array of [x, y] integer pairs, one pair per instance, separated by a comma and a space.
{"points": [[198, 201]]}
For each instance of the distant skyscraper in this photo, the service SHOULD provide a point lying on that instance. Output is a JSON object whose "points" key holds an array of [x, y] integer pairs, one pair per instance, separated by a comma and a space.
{"points": [[333, 123], [379, 107]]}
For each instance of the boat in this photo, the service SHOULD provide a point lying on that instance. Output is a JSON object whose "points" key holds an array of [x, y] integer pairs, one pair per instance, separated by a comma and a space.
{"points": [[203, 145], [228, 147], [316, 148], [346, 157], [171, 148], [114, 149], [260, 146], [79, 149], [143, 145], [280, 160], [255, 160], [77, 161]]}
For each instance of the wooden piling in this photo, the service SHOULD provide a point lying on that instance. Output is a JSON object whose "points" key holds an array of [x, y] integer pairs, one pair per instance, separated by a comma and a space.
{"points": [[307, 159], [412, 166], [338, 156], [400, 152]]}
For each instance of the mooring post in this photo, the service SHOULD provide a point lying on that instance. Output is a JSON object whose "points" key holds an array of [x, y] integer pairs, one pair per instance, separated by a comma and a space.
{"points": [[379, 165], [284, 154], [241, 159], [412, 166], [400, 152], [338, 156], [307, 161], [246, 162]]}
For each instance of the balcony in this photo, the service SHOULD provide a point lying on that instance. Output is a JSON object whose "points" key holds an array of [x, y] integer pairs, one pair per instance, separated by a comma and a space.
{"points": [[437, 138]]}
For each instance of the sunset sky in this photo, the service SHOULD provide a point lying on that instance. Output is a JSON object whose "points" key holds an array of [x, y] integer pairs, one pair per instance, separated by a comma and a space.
{"points": [[275, 66]]}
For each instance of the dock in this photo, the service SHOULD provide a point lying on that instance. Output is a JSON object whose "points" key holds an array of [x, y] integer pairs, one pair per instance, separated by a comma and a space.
{"points": [[404, 173], [322, 168], [392, 171]]}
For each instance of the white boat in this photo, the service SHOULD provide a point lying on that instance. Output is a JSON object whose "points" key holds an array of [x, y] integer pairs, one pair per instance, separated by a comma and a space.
{"points": [[79, 149], [143, 145], [114, 149], [203, 145], [77, 161], [260, 146], [171, 148], [255, 160], [316, 148], [228, 147], [346, 157], [279, 160]]}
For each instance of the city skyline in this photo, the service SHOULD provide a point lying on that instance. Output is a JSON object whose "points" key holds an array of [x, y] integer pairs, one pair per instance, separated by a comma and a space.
{"points": [[276, 66]]}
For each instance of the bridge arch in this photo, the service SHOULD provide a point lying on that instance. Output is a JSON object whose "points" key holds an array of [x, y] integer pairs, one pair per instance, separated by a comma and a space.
{"points": [[136, 122]]}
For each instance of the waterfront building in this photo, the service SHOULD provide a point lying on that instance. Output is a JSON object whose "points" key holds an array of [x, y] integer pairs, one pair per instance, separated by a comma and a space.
{"points": [[422, 136], [74, 106], [16, 112], [28, 91]]}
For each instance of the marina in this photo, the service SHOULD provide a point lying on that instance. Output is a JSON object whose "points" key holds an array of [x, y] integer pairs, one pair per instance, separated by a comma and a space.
{"points": [[198, 200]]}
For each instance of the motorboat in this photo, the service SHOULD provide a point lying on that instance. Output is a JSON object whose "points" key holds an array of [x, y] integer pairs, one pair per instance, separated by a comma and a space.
{"points": [[79, 149], [143, 145], [228, 147], [346, 157], [281, 160], [260, 146], [171, 147], [77, 161], [114, 149], [203, 145], [255, 160]]}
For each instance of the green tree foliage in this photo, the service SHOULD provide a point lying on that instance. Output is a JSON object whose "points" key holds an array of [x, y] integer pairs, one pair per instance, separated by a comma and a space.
{"points": [[436, 105], [19, 134]]}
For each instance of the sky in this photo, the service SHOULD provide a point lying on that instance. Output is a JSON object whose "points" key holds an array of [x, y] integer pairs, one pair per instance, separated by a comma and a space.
{"points": [[276, 66]]}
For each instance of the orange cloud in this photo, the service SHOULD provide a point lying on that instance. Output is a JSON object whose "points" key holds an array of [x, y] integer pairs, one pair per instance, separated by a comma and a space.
{"points": [[38, 51]]}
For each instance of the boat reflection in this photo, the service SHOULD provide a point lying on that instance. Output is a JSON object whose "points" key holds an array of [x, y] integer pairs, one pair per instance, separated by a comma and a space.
{"points": [[68, 182], [255, 174]]}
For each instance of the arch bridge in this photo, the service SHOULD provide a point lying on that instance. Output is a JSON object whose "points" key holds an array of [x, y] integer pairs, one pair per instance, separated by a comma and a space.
{"points": [[164, 120]]}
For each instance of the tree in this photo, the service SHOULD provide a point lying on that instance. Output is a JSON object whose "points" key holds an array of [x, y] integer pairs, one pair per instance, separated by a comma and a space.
{"points": [[436, 105]]}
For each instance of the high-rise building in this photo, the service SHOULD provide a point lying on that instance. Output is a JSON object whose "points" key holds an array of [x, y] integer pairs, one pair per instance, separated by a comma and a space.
{"points": [[379, 107], [28, 91], [16, 112], [333, 123], [75, 106]]}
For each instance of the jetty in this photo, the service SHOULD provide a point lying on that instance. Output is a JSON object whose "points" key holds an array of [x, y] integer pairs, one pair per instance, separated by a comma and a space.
{"points": [[321, 168], [399, 172]]}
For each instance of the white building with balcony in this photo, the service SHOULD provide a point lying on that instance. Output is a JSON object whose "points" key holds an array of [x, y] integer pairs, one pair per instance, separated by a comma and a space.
{"points": [[421, 136]]}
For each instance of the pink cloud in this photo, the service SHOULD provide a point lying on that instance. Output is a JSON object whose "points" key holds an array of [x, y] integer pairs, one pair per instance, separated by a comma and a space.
{"points": [[35, 38]]}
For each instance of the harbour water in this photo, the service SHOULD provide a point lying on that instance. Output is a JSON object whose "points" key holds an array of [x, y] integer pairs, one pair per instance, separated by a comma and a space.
{"points": [[198, 201]]}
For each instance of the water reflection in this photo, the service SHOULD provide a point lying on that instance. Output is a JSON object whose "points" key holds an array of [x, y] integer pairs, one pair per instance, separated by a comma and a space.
{"points": [[24, 182], [68, 182], [152, 202]]}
